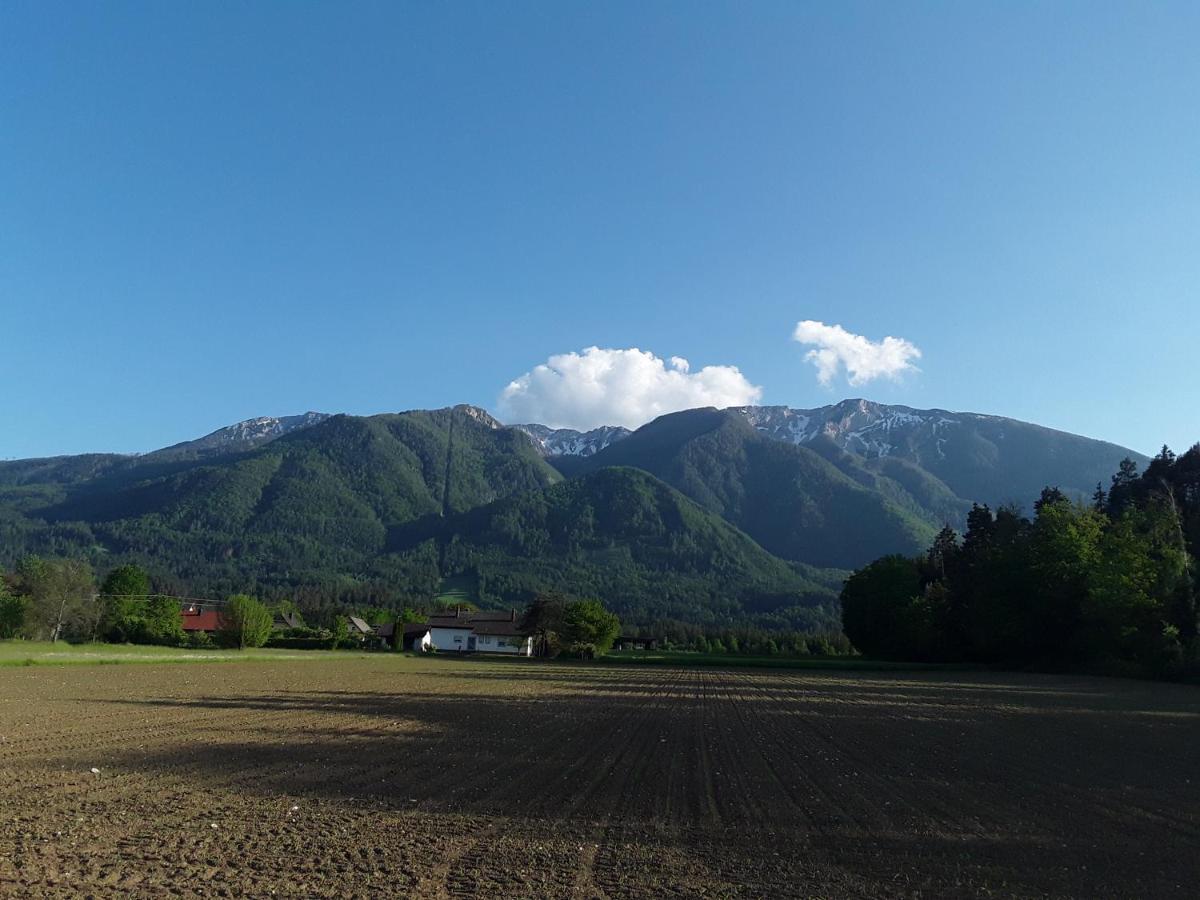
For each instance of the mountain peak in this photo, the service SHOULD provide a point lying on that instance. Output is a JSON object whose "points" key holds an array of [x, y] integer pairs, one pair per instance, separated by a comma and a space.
{"points": [[479, 414], [244, 435]]}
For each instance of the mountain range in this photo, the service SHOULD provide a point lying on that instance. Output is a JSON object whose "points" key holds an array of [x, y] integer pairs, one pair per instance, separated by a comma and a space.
{"points": [[745, 514], [980, 458]]}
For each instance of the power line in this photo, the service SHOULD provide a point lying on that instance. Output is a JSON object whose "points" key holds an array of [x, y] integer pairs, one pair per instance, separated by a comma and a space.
{"points": [[202, 601]]}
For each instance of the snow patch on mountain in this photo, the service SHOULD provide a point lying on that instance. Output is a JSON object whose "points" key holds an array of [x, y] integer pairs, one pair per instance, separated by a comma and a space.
{"points": [[246, 434], [860, 426], [569, 442]]}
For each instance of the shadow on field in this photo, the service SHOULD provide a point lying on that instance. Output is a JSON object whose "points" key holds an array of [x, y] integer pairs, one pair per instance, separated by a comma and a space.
{"points": [[1026, 788]]}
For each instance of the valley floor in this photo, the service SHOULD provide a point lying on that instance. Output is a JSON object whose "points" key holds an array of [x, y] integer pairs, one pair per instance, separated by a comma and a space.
{"points": [[382, 775]]}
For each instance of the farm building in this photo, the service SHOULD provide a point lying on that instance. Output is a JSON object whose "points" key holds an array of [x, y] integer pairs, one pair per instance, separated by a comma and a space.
{"points": [[479, 632], [405, 635], [196, 618]]}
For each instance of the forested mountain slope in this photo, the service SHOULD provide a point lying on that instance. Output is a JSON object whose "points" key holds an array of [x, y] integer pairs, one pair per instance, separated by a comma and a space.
{"points": [[636, 543], [791, 500], [971, 457], [319, 504]]}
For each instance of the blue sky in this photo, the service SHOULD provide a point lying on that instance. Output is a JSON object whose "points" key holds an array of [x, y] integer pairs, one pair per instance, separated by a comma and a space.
{"points": [[215, 211]]}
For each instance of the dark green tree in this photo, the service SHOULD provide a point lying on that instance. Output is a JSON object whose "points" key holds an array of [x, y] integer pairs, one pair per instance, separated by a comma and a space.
{"points": [[542, 620], [12, 612], [123, 596], [943, 555], [882, 610], [1124, 485]]}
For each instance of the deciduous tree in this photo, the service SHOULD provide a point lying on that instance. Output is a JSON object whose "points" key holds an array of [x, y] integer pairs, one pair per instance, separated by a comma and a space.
{"points": [[587, 623], [61, 597], [245, 622]]}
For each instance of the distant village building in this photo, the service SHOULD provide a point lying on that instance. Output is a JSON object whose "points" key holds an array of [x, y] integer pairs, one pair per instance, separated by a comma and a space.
{"points": [[416, 636], [636, 642], [405, 635], [195, 618], [479, 632], [285, 620]]}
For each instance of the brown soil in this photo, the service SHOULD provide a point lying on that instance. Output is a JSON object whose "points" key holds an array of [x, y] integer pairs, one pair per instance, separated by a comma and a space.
{"points": [[450, 778]]}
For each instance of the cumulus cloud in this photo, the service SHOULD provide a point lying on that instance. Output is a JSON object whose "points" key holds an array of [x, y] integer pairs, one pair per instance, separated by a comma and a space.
{"points": [[619, 387], [863, 359]]}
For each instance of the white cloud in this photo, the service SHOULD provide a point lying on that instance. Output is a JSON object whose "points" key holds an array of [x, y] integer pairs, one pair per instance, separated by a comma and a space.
{"points": [[863, 359], [619, 387]]}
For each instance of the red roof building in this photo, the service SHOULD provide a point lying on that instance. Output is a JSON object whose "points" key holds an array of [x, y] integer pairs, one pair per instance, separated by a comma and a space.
{"points": [[197, 619]]}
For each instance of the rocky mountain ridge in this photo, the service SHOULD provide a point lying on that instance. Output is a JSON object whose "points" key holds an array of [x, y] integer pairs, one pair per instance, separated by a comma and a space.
{"points": [[981, 458]]}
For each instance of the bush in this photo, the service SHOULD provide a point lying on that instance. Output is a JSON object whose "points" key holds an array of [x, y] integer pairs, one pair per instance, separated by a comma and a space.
{"points": [[305, 632], [199, 640], [579, 650]]}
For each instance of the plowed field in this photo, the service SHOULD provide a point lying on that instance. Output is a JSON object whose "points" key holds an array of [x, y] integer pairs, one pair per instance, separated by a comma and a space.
{"points": [[449, 778]]}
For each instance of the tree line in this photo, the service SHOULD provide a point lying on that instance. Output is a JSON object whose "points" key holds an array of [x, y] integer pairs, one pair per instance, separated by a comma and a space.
{"points": [[748, 640], [57, 599], [1109, 585]]}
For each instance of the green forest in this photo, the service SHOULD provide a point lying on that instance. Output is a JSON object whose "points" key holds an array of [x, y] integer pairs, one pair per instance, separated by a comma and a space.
{"points": [[1109, 585]]}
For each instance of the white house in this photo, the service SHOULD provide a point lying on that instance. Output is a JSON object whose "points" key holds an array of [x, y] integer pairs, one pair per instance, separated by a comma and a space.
{"points": [[479, 632]]}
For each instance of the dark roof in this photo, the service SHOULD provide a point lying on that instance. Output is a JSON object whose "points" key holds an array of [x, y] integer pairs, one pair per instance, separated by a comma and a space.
{"points": [[500, 628], [503, 622], [388, 629], [505, 615]]}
